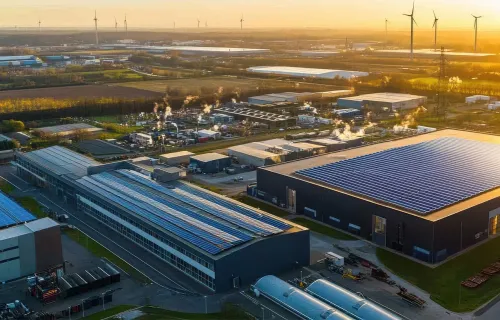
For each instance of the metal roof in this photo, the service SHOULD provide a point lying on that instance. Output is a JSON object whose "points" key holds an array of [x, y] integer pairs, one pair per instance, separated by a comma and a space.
{"points": [[12, 213], [308, 72], [209, 157], [385, 97], [68, 128], [349, 302], [443, 172], [41, 224], [297, 301], [197, 217], [61, 161], [176, 154], [16, 58]]}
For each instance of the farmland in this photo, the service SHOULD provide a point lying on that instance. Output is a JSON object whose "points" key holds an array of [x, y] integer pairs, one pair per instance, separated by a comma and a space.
{"points": [[76, 92]]}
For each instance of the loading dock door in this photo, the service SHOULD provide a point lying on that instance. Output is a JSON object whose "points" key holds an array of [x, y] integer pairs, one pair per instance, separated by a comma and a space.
{"points": [[494, 222], [291, 200]]}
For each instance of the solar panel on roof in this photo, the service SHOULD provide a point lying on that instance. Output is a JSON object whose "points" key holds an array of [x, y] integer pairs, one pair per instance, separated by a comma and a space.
{"points": [[12, 213], [422, 178]]}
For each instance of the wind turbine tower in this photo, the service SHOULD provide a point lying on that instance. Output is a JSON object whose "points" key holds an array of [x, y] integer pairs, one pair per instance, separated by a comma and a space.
{"points": [[241, 22], [198, 23], [125, 24], [475, 31], [412, 22], [206, 24], [95, 22], [435, 26], [116, 25], [386, 38], [39, 25]]}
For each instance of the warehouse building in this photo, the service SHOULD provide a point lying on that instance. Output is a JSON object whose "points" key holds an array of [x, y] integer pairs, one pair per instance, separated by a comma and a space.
{"points": [[67, 130], [383, 101], [211, 239], [429, 196], [308, 72], [176, 158], [27, 245], [296, 97], [272, 120], [210, 162], [255, 157], [28, 61], [219, 118]]}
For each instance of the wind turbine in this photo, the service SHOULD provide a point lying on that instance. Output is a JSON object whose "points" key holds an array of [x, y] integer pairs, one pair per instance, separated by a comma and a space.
{"points": [[198, 23], [435, 26], [241, 22], [39, 25], [95, 22], [386, 23], [174, 25], [475, 31], [412, 22], [116, 25], [125, 24], [206, 24]]}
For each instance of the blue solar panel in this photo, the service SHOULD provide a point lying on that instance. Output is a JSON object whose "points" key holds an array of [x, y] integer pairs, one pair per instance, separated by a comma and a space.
{"points": [[235, 207], [422, 178], [243, 236], [192, 238], [220, 211], [12, 213]]}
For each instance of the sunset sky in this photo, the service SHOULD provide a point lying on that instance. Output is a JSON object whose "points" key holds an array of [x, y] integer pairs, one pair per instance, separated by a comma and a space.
{"points": [[346, 14]]}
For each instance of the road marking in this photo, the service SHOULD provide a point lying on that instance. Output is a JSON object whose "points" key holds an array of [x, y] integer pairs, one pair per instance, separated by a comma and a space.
{"points": [[10, 183], [144, 262]]}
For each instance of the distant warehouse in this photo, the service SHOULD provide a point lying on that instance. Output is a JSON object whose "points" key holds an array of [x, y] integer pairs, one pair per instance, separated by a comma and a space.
{"points": [[272, 120], [309, 72], [215, 241], [294, 97], [20, 61], [383, 101], [430, 196], [67, 130]]}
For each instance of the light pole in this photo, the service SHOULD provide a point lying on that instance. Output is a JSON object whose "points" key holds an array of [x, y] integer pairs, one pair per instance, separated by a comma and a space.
{"points": [[69, 312], [263, 315], [206, 309], [83, 307], [103, 308]]}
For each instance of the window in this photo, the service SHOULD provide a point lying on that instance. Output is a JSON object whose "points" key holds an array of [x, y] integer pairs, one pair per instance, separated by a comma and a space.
{"points": [[334, 219], [310, 212], [379, 224]]}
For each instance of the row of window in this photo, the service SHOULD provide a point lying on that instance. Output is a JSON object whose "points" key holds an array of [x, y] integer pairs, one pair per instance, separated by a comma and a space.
{"points": [[168, 257]]}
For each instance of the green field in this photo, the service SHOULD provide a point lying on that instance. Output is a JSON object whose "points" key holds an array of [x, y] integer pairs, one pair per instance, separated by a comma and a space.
{"points": [[100, 251], [229, 312], [6, 187], [443, 282], [319, 228], [32, 206]]}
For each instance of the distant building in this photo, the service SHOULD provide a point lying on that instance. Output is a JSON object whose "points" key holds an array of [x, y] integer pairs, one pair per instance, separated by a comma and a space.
{"points": [[210, 162], [176, 158], [219, 118], [476, 99], [272, 120], [209, 134], [309, 72], [383, 101], [141, 138], [20, 61], [307, 119], [67, 130]]}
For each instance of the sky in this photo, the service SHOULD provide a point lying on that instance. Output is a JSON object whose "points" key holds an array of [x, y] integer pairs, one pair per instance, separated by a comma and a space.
{"points": [[332, 14]]}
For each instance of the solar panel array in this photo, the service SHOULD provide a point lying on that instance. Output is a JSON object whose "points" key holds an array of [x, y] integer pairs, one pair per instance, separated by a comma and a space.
{"points": [[422, 178], [210, 229], [11, 213]]}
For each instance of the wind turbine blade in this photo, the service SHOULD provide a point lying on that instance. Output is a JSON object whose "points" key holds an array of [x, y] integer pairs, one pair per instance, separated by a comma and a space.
{"points": [[434, 14], [415, 22], [413, 8], [434, 24], [408, 15]]}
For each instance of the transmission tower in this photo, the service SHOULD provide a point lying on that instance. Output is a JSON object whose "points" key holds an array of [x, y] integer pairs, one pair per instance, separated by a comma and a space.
{"points": [[442, 88]]}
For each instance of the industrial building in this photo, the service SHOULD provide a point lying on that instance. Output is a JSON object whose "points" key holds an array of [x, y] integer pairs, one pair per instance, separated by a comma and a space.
{"points": [[298, 302], [192, 50], [28, 61], [477, 99], [296, 97], [67, 130], [308, 72], [210, 162], [101, 149], [176, 158], [383, 101], [219, 118], [272, 120], [211, 239], [27, 245], [428, 196]]}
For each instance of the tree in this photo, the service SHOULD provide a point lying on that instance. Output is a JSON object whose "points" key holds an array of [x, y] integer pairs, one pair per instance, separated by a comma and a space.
{"points": [[12, 126]]}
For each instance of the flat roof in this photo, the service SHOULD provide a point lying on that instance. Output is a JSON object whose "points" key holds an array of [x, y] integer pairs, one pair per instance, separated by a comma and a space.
{"points": [[433, 52], [101, 148], [290, 168], [385, 97], [17, 58], [305, 71], [11, 213], [61, 161], [256, 114], [196, 217], [176, 154], [209, 157], [41, 224], [253, 152], [65, 128], [326, 141]]}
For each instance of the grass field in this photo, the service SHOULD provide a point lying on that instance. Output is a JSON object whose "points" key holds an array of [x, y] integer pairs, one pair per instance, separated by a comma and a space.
{"points": [[229, 312], [262, 206], [6, 187], [100, 251], [32, 206], [319, 228], [443, 282], [79, 92]]}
